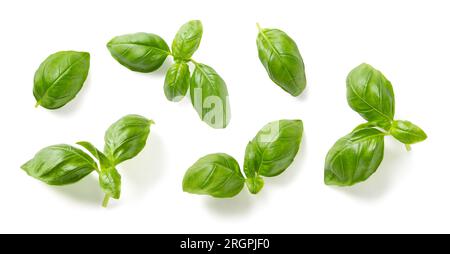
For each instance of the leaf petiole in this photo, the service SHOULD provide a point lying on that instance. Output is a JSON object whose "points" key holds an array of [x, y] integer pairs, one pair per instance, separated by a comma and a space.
{"points": [[105, 200]]}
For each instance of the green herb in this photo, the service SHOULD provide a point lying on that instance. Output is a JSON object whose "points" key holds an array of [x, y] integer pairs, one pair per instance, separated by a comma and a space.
{"points": [[280, 56], [65, 164], [145, 52], [59, 78], [270, 152], [356, 156]]}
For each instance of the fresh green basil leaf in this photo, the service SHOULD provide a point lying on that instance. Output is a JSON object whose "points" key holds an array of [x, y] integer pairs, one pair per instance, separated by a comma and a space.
{"points": [[126, 138], [209, 96], [142, 52], [217, 175], [407, 132], [59, 78], [101, 157], [187, 40], [176, 83], [371, 95], [254, 184], [355, 157], [60, 165], [280, 56], [273, 148], [110, 182]]}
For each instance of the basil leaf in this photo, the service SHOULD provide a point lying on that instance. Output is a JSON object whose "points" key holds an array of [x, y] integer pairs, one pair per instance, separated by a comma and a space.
{"points": [[59, 78], [254, 184], [209, 96], [142, 52], [281, 58], [187, 40], [126, 138], [101, 157], [176, 83], [407, 132], [110, 182], [371, 95], [273, 148], [60, 165], [217, 175], [355, 157]]}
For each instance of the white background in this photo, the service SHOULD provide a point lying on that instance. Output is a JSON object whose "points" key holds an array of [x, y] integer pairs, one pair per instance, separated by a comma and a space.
{"points": [[408, 41]]}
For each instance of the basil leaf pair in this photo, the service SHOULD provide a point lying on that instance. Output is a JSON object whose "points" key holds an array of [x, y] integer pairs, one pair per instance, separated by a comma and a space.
{"points": [[356, 156], [64, 164], [281, 58], [270, 152], [144, 52], [59, 78]]}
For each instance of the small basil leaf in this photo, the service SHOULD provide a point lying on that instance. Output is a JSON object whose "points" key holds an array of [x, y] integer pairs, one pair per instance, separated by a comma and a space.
{"points": [[254, 184], [176, 83], [60, 165], [355, 157], [217, 175], [101, 157], [209, 96], [273, 148], [110, 182], [142, 52], [187, 40], [407, 132], [126, 138], [281, 58], [59, 78], [371, 95]]}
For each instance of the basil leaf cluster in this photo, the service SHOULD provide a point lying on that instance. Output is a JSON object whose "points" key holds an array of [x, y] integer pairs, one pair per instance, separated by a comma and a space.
{"points": [[356, 156], [65, 164], [281, 58], [146, 52], [268, 154], [59, 78]]}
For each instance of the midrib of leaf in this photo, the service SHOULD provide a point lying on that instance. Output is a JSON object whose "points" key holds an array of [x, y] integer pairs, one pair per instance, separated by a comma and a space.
{"points": [[207, 77], [58, 78], [278, 55], [142, 45], [71, 150]]}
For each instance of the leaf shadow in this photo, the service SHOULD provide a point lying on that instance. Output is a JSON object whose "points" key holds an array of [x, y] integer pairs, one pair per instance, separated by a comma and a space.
{"points": [[85, 191], [145, 170], [75, 104], [383, 180]]}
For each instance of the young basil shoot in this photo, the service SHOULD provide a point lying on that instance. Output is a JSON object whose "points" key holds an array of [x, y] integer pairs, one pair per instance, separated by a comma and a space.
{"points": [[281, 58], [65, 164], [59, 78], [268, 154], [356, 156], [145, 52]]}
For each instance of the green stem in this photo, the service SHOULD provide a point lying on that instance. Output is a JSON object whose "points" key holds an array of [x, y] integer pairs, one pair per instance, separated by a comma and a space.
{"points": [[105, 200], [258, 26], [37, 104], [193, 61], [408, 147]]}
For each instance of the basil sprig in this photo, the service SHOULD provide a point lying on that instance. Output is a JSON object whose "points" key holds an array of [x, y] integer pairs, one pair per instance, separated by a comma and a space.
{"points": [[145, 52], [65, 164], [270, 152], [356, 156]]}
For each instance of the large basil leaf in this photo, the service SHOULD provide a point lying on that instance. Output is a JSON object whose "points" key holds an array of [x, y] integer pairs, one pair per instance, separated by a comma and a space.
{"points": [[176, 83], [142, 52], [371, 95], [60, 165], [59, 78], [355, 157], [217, 175], [209, 96], [110, 182], [126, 138], [407, 132], [273, 148], [187, 40], [281, 58]]}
